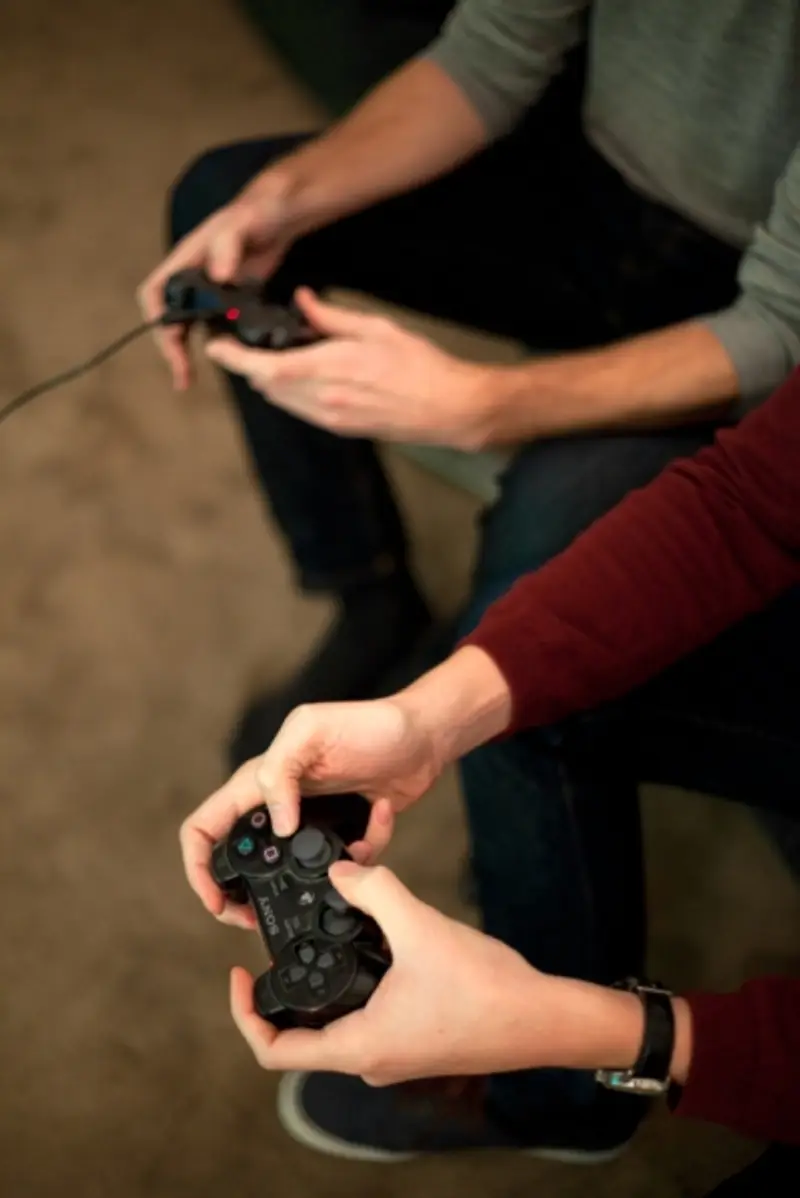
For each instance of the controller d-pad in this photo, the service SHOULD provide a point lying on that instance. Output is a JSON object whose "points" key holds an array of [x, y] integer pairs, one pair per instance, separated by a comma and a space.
{"points": [[293, 975], [306, 953], [326, 960], [316, 980]]}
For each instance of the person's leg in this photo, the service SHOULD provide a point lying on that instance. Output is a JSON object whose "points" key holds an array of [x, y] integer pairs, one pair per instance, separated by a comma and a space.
{"points": [[546, 884], [724, 721], [546, 841], [773, 1174], [445, 249], [329, 497], [543, 874]]}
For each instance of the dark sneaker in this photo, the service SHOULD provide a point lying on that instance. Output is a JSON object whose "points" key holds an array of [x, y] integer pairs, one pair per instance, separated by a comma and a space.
{"points": [[374, 631], [344, 1117]]}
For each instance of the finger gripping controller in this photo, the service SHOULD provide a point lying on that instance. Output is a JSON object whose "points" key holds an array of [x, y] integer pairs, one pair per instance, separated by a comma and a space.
{"points": [[241, 311], [326, 956]]}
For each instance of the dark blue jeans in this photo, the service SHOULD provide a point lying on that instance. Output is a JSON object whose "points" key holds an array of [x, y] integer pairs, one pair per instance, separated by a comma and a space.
{"points": [[541, 240]]}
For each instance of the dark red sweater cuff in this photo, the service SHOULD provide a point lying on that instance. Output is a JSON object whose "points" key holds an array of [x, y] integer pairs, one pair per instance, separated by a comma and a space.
{"points": [[723, 1061], [745, 1070]]}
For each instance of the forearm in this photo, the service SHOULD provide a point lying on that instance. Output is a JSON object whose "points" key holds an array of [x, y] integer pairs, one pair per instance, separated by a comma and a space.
{"points": [[711, 540], [460, 704], [672, 376], [415, 126]]}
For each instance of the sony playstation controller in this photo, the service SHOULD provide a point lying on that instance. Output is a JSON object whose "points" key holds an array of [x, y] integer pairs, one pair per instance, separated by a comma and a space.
{"points": [[240, 310], [327, 957]]}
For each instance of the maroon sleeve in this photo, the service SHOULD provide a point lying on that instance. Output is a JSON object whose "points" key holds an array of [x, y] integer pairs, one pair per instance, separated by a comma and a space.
{"points": [[712, 539], [745, 1070]]}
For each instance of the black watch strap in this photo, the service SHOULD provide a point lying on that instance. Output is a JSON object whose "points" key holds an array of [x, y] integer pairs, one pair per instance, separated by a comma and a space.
{"points": [[650, 1075]]}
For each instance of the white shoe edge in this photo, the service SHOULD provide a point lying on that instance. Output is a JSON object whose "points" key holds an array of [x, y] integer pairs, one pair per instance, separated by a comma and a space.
{"points": [[296, 1123]]}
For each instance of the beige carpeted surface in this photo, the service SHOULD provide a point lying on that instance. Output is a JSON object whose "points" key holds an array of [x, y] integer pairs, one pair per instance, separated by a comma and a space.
{"points": [[143, 596]]}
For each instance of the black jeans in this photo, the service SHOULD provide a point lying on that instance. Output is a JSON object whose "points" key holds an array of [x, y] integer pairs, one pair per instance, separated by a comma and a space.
{"points": [[537, 238], [774, 1173]]}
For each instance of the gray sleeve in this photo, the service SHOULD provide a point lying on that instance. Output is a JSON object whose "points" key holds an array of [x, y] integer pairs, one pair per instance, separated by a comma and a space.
{"points": [[761, 330], [503, 53]]}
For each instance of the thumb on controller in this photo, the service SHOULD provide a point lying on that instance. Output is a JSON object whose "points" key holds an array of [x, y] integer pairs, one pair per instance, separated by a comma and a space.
{"points": [[378, 892]]}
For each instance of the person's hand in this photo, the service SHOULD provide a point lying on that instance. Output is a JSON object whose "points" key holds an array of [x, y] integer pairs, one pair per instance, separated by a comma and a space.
{"points": [[247, 238], [454, 1001], [369, 378], [380, 748]]}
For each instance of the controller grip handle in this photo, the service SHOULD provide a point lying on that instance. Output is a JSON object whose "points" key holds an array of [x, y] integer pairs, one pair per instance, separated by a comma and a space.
{"points": [[225, 876]]}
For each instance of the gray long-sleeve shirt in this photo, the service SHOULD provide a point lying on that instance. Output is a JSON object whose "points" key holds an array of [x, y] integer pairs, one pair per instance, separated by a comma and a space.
{"points": [[697, 104]]}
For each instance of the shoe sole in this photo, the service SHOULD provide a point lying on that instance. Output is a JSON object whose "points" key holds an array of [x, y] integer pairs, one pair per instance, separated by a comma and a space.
{"points": [[296, 1123]]}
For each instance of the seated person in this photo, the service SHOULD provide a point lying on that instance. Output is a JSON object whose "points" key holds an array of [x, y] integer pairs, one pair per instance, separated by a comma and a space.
{"points": [[649, 234], [705, 559]]}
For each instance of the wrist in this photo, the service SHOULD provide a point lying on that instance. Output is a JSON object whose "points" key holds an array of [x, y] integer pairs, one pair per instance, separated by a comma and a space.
{"points": [[460, 704], [593, 1027], [296, 193], [682, 1053]]}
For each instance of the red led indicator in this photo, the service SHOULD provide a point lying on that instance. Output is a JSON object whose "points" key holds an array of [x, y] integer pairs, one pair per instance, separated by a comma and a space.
{"points": [[233, 314]]}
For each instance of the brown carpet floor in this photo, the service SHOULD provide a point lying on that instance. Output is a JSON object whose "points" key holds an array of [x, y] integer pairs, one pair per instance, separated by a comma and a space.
{"points": [[143, 597]]}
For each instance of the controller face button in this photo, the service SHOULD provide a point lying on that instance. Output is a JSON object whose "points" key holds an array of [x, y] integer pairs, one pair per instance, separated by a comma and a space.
{"points": [[271, 854], [258, 819], [337, 924], [311, 848], [306, 953], [293, 975], [245, 846]]}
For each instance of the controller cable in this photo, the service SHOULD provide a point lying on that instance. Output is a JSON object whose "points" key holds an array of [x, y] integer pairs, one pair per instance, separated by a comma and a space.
{"points": [[76, 372]]}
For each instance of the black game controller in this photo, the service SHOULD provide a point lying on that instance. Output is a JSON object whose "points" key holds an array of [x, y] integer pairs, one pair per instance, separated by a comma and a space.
{"points": [[327, 957], [238, 310]]}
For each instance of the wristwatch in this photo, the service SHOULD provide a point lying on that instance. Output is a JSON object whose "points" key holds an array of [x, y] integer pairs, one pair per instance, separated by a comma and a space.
{"points": [[650, 1076]]}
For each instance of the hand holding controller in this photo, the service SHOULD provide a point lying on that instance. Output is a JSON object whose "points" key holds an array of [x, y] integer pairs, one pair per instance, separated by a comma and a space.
{"points": [[327, 957], [240, 311]]}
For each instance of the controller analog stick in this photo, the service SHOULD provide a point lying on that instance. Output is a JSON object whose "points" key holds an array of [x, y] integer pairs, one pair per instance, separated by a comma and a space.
{"points": [[311, 848], [337, 923], [337, 901]]}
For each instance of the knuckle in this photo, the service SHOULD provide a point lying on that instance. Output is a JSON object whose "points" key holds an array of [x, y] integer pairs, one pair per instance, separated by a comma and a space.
{"points": [[471, 439], [266, 776], [334, 421], [256, 380], [333, 399]]}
